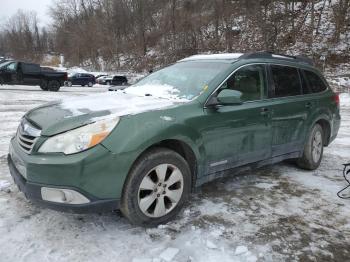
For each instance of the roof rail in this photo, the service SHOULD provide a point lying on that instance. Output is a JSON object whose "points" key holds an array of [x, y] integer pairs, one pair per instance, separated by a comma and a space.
{"points": [[265, 54]]}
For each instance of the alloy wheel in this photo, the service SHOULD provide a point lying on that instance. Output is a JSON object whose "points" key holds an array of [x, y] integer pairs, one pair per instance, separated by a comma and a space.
{"points": [[317, 144], [160, 190]]}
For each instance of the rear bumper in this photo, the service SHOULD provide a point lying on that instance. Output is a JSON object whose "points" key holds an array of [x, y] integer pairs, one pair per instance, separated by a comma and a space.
{"points": [[32, 192]]}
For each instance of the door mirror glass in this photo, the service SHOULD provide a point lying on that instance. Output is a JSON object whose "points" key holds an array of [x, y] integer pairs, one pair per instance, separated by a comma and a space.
{"points": [[229, 97], [226, 97]]}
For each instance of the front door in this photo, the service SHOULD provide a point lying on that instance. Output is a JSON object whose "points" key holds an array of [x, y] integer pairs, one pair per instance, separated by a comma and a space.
{"points": [[236, 135], [10, 74]]}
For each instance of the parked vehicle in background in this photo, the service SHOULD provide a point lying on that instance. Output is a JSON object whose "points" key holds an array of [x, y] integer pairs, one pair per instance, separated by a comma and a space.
{"points": [[99, 75], [20, 73], [101, 80], [113, 80], [119, 81], [106, 80], [145, 149], [81, 79]]}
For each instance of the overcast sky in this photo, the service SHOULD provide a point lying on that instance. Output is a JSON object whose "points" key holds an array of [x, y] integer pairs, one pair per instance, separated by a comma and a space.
{"points": [[9, 7]]}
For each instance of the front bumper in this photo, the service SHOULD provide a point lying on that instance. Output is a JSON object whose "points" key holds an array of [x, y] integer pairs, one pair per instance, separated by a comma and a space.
{"points": [[32, 192], [97, 174]]}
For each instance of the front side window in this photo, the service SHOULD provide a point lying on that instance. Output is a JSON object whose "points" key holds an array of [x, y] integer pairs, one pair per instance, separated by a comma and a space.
{"points": [[12, 67], [248, 81], [316, 84], [286, 80]]}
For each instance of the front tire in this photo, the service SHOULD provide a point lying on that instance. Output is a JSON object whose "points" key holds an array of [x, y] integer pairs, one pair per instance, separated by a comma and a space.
{"points": [[313, 150], [43, 85], [2, 82], [90, 84], [156, 188]]}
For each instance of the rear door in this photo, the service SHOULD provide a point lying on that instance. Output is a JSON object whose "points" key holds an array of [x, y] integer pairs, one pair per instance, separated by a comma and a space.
{"points": [[291, 110], [31, 74], [76, 79]]}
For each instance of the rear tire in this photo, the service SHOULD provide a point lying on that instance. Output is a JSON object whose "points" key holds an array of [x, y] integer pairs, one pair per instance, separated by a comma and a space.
{"points": [[54, 86], [156, 188], [90, 84], [313, 150], [2, 82]]}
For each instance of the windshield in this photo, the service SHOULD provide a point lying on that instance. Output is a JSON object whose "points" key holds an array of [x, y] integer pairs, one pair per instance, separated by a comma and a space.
{"points": [[183, 81], [5, 63]]}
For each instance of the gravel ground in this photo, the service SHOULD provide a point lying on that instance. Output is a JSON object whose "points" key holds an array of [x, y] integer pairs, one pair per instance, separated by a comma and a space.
{"points": [[278, 213]]}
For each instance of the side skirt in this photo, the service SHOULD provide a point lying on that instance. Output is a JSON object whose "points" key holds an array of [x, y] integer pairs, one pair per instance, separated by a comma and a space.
{"points": [[237, 170]]}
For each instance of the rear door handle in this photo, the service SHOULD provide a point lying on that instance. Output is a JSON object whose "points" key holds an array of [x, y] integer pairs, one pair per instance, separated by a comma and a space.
{"points": [[264, 111]]}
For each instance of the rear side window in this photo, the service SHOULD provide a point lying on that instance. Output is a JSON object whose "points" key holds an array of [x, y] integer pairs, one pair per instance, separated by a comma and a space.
{"points": [[316, 84], [286, 80]]}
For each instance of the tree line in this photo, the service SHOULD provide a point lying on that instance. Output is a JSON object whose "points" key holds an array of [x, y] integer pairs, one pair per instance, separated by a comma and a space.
{"points": [[142, 34]]}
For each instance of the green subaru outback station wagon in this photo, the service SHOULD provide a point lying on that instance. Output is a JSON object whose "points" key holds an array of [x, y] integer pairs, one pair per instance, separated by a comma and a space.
{"points": [[144, 149]]}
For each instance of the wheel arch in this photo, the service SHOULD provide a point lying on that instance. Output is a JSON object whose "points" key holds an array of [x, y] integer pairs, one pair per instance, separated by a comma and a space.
{"points": [[180, 147], [325, 122], [326, 127]]}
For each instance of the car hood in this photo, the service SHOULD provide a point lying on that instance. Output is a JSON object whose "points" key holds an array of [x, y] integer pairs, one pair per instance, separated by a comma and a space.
{"points": [[57, 117]]}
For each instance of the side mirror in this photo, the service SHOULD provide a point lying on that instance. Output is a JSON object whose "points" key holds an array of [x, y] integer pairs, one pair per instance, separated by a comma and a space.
{"points": [[227, 97]]}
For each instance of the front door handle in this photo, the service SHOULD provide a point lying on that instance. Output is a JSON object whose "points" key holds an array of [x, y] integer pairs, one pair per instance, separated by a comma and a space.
{"points": [[308, 105]]}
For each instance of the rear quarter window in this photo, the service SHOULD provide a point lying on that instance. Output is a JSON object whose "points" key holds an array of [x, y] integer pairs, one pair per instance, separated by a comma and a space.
{"points": [[316, 84], [286, 80]]}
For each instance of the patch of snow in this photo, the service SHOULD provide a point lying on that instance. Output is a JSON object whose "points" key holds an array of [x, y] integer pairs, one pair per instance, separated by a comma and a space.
{"points": [[241, 250], [213, 57], [167, 118], [118, 104], [4, 184], [169, 254], [142, 260], [211, 245], [156, 90], [345, 99]]}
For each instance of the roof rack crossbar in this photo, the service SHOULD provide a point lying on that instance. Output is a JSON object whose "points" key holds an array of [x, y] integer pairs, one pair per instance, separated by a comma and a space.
{"points": [[266, 54]]}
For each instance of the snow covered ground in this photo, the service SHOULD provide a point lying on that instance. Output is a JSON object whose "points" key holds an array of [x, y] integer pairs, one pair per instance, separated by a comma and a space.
{"points": [[278, 213]]}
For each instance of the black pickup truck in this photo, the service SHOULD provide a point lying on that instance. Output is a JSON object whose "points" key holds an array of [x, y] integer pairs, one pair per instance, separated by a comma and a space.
{"points": [[20, 73]]}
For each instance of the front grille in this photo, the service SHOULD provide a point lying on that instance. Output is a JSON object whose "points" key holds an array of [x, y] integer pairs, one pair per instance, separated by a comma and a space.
{"points": [[27, 135]]}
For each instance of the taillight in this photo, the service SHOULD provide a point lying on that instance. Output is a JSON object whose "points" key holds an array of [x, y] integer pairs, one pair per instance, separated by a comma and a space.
{"points": [[336, 99]]}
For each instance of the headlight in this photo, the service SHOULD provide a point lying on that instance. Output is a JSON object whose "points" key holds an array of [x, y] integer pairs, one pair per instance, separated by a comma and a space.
{"points": [[79, 139]]}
